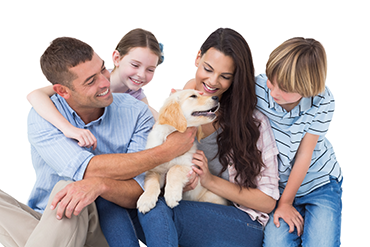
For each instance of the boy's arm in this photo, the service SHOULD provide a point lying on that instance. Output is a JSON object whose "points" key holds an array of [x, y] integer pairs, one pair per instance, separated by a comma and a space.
{"points": [[40, 101], [285, 209]]}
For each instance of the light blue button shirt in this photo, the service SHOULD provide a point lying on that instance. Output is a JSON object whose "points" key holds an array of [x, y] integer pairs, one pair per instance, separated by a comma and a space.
{"points": [[312, 115], [123, 128]]}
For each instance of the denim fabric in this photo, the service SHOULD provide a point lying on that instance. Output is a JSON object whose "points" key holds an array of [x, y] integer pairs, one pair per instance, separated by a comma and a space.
{"points": [[322, 213], [121, 227], [199, 224]]}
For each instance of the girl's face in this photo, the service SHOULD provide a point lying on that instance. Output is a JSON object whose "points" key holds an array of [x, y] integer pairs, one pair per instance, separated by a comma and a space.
{"points": [[136, 68], [286, 100], [215, 72]]}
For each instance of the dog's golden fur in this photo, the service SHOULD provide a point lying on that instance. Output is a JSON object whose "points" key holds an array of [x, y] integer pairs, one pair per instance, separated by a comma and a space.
{"points": [[181, 110]]}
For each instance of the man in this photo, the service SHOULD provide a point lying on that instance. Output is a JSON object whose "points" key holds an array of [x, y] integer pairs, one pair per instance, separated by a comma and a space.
{"points": [[112, 171]]}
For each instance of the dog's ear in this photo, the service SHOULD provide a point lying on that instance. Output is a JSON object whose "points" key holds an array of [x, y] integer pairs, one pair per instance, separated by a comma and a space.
{"points": [[171, 114], [200, 133]]}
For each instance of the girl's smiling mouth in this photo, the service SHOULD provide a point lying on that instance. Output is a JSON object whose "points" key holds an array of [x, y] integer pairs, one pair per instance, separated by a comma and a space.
{"points": [[135, 81]]}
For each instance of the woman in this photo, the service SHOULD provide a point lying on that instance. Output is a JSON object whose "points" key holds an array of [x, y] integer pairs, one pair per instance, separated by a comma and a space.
{"points": [[236, 159]]}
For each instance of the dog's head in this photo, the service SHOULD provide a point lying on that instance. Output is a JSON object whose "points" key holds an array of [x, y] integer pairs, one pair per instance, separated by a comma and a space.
{"points": [[188, 108]]}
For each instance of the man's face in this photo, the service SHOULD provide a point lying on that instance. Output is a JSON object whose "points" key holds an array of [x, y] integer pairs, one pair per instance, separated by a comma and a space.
{"points": [[91, 89]]}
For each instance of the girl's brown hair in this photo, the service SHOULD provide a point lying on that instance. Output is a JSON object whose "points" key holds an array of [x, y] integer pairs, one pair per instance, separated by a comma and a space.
{"points": [[139, 38], [298, 66], [237, 143]]}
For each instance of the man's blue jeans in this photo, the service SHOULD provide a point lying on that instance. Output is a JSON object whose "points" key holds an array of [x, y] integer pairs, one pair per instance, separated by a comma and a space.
{"points": [[120, 226], [322, 213], [193, 224]]}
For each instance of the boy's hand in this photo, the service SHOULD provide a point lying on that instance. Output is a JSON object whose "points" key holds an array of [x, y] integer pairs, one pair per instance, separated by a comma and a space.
{"points": [[290, 215]]}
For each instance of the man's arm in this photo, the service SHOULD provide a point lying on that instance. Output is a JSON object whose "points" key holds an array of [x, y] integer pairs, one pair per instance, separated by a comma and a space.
{"points": [[128, 165]]}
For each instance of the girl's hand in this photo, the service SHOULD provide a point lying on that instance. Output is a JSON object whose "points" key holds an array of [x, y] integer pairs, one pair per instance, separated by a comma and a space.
{"points": [[84, 137], [291, 216], [201, 168]]}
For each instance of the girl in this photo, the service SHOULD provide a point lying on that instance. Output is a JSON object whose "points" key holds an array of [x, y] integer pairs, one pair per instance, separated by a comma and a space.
{"points": [[135, 60], [300, 108], [236, 159]]}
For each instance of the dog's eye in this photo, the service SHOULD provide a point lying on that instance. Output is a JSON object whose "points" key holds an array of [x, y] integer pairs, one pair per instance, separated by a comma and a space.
{"points": [[193, 96]]}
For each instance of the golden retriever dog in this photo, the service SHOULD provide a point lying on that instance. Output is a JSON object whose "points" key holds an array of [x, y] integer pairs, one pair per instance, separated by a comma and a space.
{"points": [[182, 109]]}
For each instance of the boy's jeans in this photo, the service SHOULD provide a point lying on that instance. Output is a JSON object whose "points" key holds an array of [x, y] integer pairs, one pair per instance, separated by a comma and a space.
{"points": [[322, 213]]}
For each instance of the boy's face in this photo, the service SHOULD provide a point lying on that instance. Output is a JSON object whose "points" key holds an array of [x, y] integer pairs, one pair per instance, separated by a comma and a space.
{"points": [[286, 100]]}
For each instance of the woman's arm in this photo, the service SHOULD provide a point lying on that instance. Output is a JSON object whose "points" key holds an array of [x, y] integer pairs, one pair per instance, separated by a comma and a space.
{"points": [[285, 209], [190, 84], [248, 197], [40, 100]]}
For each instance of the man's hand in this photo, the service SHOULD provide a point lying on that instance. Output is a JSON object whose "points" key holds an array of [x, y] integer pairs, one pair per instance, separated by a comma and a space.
{"points": [[180, 143], [290, 215], [76, 196]]}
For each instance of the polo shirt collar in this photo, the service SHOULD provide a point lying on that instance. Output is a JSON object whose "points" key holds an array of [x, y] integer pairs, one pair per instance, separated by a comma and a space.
{"points": [[304, 105]]}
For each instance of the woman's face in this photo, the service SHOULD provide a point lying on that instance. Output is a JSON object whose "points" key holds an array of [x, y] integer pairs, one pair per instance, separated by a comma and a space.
{"points": [[215, 72]]}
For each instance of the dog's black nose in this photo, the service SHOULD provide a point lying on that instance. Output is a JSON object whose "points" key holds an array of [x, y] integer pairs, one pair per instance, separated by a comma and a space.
{"points": [[215, 98]]}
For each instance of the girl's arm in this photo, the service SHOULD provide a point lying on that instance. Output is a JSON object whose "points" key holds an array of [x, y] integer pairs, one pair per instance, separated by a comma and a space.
{"points": [[285, 209], [154, 112], [40, 100], [248, 197]]}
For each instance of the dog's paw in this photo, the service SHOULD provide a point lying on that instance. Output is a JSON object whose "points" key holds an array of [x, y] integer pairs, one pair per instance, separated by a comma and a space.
{"points": [[172, 198], [146, 203]]}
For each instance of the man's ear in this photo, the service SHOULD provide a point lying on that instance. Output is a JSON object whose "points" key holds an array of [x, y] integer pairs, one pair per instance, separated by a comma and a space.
{"points": [[116, 57], [63, 91], [199, 56]]}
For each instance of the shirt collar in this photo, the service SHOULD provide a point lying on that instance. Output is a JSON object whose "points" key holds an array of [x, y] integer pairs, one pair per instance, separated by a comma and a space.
{"points": [[76, 117], [304, 105]]}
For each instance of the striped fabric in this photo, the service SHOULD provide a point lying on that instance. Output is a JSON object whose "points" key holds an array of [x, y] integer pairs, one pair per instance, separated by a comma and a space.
{"points": [[123, 128], [311, 115]]}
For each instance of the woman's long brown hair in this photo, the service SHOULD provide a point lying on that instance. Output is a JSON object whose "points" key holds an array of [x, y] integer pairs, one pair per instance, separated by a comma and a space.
{"points": [[237, 143]]}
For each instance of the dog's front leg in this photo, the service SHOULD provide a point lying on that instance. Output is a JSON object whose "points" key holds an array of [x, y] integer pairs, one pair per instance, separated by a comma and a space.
{"points": [[176, 180], [152, 187]]}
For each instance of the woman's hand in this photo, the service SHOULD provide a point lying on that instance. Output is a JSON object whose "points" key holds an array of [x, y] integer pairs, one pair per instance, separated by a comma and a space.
{"points": [[193, 181], [84, 137], [291, 216], [201, 168]]}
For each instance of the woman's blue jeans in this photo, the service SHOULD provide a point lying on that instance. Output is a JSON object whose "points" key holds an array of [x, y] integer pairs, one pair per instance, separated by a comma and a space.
{"points": [[322, 213], [121, 226], [193, 224]]}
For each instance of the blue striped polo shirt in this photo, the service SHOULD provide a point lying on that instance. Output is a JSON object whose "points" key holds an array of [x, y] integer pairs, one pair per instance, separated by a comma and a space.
{"points": [[312, 115], [123, 128]]}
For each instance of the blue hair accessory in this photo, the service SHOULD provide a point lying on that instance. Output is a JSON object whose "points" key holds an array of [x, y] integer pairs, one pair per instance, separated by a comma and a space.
{"points": [[162, 53]]}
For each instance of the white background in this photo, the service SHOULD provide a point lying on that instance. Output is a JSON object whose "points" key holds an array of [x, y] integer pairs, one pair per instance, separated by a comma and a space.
{"points": [[27, 28]]}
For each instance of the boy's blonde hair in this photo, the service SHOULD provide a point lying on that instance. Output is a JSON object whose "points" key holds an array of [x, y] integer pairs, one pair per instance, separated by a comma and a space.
{"points": [[298, 66]]}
